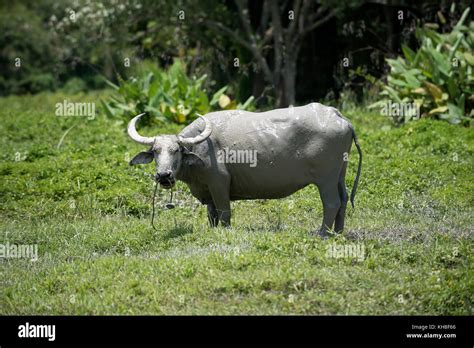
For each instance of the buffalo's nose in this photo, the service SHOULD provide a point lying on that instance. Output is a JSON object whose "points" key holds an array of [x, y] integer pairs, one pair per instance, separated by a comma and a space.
{"points": [[164, 175]]}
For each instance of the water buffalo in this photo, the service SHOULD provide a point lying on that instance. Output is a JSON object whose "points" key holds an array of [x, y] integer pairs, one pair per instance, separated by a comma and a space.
{"points": [[294, 147]]}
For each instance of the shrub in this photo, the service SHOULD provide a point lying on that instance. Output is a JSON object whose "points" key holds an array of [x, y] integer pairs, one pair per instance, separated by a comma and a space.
{"points": [[75, 85], [25, 51], [437, 77], [168, 96]]}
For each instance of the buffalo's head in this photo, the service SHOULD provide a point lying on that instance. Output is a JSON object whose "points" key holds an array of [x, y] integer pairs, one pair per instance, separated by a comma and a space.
{"points": [[166, 150]]}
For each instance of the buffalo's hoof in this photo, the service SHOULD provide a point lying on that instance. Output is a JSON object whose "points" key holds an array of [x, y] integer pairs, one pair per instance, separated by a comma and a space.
{"points": [[321, 234]]}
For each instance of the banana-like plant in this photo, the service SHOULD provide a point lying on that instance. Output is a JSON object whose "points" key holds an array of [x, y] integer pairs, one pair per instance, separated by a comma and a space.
{"points": [[437, 78], [167, 96]]}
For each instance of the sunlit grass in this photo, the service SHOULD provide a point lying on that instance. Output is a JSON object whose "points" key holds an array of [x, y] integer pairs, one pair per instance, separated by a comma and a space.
{"points": [[89, 213]]}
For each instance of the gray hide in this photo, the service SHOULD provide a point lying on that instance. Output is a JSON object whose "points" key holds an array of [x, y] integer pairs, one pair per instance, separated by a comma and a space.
{"points": [[294, 147]]}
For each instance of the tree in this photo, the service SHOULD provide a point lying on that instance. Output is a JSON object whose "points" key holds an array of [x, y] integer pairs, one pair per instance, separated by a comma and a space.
{"points": [[283, 27]]}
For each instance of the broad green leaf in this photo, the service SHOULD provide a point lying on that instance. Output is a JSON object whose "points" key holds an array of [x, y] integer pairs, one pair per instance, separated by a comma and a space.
{"points": [[393, 81], [397, 65], [462, 19], [438, 110], [108, 111], [247, 103], [408, 52], [455, 111], [435, 91], [412, 81], [452, 87], [111, 84], [461, 103], [224, 101], [454, 49], [377, 104], [419, 90], [469, 58], [393, 93], [217, 95]]}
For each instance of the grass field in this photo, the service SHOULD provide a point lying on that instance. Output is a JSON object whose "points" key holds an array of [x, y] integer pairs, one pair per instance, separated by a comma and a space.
{"points": [[89, 213]]}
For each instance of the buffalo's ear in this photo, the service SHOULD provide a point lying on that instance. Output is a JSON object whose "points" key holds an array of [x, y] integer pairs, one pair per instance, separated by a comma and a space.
{"points": [[142, 158], [190, 157]]}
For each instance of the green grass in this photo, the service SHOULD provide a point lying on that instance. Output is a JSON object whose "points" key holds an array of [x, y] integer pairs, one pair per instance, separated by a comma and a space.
{"points": [[89, 213]]}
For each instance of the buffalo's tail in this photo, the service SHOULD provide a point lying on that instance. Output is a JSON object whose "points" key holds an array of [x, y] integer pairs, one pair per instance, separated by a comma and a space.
{"points": [[359, 169]]}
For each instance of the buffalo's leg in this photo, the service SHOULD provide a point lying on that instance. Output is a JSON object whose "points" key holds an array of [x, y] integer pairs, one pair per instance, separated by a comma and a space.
{"points": [[331, 203], [221, 199], [341, 186], [212, 215]]}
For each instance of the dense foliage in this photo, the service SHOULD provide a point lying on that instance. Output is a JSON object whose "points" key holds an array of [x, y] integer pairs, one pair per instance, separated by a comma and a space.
{"points": [[61, 42], [168, 96], [438, 77]]}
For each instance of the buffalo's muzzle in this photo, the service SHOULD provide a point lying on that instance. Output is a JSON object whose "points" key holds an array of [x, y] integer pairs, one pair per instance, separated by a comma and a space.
{"points": [[165, 179]]}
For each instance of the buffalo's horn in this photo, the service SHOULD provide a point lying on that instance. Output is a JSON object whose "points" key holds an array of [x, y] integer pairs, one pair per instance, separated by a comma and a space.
{"points": [[132, 132], [199, 138]]}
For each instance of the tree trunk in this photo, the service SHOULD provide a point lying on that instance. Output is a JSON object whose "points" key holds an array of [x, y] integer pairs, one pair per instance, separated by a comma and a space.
{"points": [[290, 84], [286, 91], [286, 42]]}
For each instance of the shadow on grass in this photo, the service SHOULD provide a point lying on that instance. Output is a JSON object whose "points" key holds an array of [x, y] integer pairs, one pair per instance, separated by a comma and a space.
{"points": [[266, 227], [178, 231]]}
